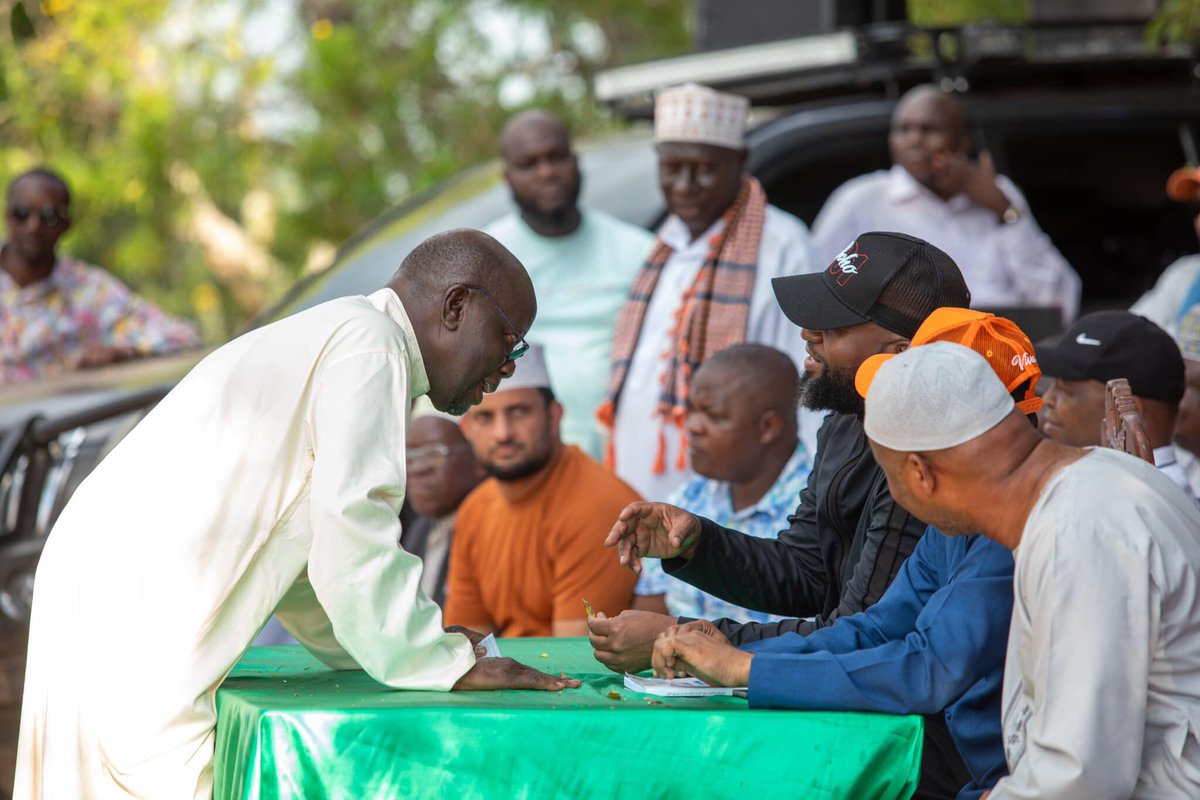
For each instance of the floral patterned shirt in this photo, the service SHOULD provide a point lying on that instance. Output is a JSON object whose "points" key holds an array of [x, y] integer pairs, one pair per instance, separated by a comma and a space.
{"points": [[45, 327], [765, 519]]}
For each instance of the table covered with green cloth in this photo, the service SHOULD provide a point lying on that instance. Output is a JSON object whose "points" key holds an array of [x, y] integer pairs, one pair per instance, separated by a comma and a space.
{"points": [[288, 727]]}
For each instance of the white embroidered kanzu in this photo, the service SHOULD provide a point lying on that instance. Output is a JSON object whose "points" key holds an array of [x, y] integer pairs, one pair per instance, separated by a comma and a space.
{"points": [[271, 476]]}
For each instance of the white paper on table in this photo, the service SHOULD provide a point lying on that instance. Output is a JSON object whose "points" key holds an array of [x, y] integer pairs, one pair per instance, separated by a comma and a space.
{"points": [[488, 643], [676, 687]]}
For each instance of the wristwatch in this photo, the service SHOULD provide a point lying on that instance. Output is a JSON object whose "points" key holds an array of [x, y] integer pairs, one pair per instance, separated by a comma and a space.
{"points": [[1010, 215]]}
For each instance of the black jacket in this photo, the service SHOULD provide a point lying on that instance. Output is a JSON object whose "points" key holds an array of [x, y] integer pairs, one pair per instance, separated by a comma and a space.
{"points": [[846, 543]]}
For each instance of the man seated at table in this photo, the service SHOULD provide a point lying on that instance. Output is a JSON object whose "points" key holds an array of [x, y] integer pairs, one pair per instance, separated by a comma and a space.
{"points": [[269, 480], [1098, 348], [934, 643], [529, 542], [442, 471], [749, 464], [1102, 679]]}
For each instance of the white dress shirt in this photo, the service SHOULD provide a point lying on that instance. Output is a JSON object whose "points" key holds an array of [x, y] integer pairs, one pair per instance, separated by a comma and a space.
{"points": [[1102, 678], [269, 480], [1005, 264], [1166, 458], [784, 249], [1165, 302]]}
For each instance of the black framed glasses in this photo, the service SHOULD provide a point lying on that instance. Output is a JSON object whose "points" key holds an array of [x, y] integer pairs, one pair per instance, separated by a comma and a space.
{"points": [[51, 216], [522, 346]]}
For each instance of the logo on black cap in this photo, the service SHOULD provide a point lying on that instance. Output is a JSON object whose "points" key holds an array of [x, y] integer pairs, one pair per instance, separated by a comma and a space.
{"points": [[847, 263]]}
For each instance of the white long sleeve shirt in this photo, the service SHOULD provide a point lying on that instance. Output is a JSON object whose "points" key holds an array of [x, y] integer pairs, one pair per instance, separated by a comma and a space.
{"points": [[784, 249], [1004, 264], [271, 476], [1102, 678]]}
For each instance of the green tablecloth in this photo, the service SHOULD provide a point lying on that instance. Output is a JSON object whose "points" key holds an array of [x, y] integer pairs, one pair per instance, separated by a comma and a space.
{"points": [[287, 727]]}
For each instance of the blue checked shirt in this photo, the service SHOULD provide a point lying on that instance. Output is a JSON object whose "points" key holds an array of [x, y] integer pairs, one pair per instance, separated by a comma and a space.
{"points": [[765, 519]]}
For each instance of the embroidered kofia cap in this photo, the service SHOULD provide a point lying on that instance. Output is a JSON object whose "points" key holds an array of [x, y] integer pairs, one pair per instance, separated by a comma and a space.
{"points": [[892, 279], [695, 113], [1005, 346], [933, 398], [530, 372], [1105, 345]]}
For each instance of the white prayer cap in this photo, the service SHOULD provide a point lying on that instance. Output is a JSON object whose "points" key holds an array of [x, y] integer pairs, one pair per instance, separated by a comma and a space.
{"points": [[933, 397], [530, 372], [695, 113]]}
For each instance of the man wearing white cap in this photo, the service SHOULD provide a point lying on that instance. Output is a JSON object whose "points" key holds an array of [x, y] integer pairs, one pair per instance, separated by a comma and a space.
{"points": [[528, 552], [705, 286], [1102, 678]]}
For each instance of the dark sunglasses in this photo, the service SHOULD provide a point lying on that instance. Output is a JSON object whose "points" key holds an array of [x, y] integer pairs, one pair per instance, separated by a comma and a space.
{"points": [[521, 346], [51, 216]]}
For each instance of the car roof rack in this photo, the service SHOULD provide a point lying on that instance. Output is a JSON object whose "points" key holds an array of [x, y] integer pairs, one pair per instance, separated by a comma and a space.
{"points": [[885, 59]]}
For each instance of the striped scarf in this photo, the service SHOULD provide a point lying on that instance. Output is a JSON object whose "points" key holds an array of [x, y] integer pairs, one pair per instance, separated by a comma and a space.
{"points": [[712, 315]]}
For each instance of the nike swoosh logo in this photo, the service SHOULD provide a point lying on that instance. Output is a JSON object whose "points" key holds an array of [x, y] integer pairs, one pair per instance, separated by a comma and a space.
{"points": [[1084, 339]]}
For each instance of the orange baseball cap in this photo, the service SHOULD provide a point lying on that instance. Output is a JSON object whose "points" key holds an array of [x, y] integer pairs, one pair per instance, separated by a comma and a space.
{"points": [[1184, 184], [999, 340]]}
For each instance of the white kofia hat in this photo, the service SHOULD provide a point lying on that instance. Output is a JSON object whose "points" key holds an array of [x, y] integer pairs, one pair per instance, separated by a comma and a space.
{"points": [[695, 113], [530, 372], [933, 397]]}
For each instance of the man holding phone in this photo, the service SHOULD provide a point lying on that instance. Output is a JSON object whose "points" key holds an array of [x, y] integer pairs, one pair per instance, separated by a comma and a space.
{"points": [[937, 192]]}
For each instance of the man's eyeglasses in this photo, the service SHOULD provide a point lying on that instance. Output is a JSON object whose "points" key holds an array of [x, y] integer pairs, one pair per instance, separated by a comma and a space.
{"points": [[521, 346], [431, 453], [51, 216]]}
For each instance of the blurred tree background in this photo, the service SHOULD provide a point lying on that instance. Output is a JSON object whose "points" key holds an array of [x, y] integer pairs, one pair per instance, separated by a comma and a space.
{"points": [[217, 150]]}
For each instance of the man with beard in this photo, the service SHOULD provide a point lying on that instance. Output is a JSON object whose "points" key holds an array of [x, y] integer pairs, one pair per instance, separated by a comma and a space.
{"points": [[528, 554], [935, 190], [285, 447], [58, 313], [848, 538], [581, 262]]}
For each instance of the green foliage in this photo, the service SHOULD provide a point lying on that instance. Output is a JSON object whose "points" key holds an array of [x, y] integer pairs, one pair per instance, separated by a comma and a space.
{"points": [[935, 13], [1176, 21], [209, 169]]}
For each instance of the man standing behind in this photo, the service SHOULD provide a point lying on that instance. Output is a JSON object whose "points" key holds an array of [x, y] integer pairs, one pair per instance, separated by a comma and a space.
{"points": [[1098, 348], [529, 542], [935, 191], [58, 313], [705, 286], [581, 264], [284, 449], [741, 430]]}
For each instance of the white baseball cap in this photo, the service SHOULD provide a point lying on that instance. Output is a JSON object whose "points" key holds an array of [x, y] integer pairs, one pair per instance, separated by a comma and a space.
{"points": [[934, 397]]}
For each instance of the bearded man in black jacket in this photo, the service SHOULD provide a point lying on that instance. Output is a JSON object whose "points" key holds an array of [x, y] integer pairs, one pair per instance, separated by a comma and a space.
{"points": [[848, 537]]}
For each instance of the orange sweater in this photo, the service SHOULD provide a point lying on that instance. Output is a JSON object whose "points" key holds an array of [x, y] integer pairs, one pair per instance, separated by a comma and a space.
{"points": [[527, 552]]}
